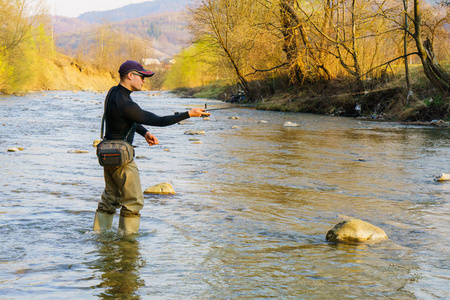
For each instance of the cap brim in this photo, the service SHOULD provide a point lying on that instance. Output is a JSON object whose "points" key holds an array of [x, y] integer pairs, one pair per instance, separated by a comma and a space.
{"points": [[146, 73]]}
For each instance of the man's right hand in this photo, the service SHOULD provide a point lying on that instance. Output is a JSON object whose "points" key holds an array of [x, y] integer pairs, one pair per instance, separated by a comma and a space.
{"points": [[198, 112]]}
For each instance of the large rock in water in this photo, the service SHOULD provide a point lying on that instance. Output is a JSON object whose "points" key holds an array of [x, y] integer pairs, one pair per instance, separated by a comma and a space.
{"points": [[355, 231], [161, 188]]}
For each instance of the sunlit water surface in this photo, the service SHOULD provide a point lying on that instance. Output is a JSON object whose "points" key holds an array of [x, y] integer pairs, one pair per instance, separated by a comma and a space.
{"points": [[253, 205]]}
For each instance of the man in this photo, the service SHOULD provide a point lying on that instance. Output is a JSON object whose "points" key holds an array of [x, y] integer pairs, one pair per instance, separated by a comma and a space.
{"points": [[122, 184]]}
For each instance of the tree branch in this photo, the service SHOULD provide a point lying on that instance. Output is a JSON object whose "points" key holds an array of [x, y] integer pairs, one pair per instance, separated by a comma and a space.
{"points": [[266, 70]]}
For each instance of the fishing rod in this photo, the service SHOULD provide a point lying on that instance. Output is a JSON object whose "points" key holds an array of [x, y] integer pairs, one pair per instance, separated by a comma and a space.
{"points": [[210, 109], [218, 108]]}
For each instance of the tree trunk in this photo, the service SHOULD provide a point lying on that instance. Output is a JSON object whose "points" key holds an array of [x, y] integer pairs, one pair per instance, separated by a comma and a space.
{"points": [[405, 46], [437, 75], [290, 40], [294, 34]]}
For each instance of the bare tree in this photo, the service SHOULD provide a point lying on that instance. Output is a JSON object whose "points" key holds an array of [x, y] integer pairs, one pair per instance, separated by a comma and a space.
{"points": [[434, 71], [219, 22], [304, 58]]}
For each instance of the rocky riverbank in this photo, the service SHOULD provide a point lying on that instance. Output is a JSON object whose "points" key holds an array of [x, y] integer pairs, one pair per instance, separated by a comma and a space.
{"points": [[385, 103]]}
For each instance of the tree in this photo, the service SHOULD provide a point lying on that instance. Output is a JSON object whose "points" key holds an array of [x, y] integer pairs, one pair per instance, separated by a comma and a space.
{"points": [[304, 58], [217, 22], [437, 75], [24, 42], [240, 31]]}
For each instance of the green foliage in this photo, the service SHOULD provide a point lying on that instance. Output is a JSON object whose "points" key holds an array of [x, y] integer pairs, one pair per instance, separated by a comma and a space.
{"points": [[195, 66], [5, 70], [211, 91], [24, 46]]}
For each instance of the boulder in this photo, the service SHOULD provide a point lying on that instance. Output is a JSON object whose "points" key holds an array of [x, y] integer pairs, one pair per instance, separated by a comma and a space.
{"points": [[355, 231], [161, 188]]}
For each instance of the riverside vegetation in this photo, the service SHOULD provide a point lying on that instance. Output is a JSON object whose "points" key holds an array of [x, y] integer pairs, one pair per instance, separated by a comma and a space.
{"points": [[388, 60]]}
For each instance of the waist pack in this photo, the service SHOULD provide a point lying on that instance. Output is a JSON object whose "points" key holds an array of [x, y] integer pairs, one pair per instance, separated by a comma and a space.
{"points": [[114, 153]]}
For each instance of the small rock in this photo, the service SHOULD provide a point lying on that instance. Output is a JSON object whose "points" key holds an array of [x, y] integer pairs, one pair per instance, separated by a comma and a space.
{"points": [[206, 119], [355, 231], [262, 122], [194, 132], [233, 118], [77, 151], [290, 124], [185, 122], [442, 177], [235, 127], [167, 149], [15, 149], [194, 140], [96, 142], [197, 142], [162, 188]]}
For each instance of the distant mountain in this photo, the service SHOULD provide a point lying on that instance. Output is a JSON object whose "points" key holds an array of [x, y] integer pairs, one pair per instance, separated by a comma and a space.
{"points": [[160, 21], [63, 25], [136, 10]]}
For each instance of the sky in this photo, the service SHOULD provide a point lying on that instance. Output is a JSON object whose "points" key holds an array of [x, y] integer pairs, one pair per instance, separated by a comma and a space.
{"points": [[74, 8]]}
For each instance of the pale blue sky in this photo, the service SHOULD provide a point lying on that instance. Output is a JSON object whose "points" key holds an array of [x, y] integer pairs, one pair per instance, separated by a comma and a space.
{"points": [[74, 8]]}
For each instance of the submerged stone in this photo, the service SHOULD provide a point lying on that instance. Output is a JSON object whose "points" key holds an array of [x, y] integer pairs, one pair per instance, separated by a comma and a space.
{"points": [[355, 231], [194, 132], [15, 149], [290, 124], [442, 177], [164, 188], [77, 151]]}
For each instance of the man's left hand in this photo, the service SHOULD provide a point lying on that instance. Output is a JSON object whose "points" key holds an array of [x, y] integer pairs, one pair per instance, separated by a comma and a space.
{"points": [[151, 139]]}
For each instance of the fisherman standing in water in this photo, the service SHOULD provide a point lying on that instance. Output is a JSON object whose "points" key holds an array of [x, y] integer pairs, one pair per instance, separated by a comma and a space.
{"points": [[123, 184]]}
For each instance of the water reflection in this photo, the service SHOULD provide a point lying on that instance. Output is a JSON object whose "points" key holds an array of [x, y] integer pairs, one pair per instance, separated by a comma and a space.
{"points": [[119, 262]]}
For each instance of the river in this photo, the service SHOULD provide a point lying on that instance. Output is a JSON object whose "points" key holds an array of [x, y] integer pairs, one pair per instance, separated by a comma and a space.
{"points": [[254, 201]]}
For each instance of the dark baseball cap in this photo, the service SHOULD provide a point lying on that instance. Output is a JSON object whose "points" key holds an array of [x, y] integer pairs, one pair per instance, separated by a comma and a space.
{"points": [[131, 65]]}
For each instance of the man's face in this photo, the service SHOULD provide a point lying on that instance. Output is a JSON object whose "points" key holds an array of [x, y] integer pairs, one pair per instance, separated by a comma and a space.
{"points": [[137, 81]]}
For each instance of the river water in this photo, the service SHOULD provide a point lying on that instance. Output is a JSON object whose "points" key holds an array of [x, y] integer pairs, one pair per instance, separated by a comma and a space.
{"points": [[253, 205]]}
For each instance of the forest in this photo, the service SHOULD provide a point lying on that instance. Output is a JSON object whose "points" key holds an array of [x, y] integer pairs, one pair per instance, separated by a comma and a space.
{"points": [[327, 56]]}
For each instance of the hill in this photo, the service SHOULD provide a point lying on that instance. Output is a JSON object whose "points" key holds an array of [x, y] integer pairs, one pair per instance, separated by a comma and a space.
{"points": [[136, 10], [161, 22]]}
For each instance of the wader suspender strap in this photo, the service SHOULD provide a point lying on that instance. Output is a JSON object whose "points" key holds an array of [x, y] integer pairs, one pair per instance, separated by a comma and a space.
{"points": [[103, 119]]}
